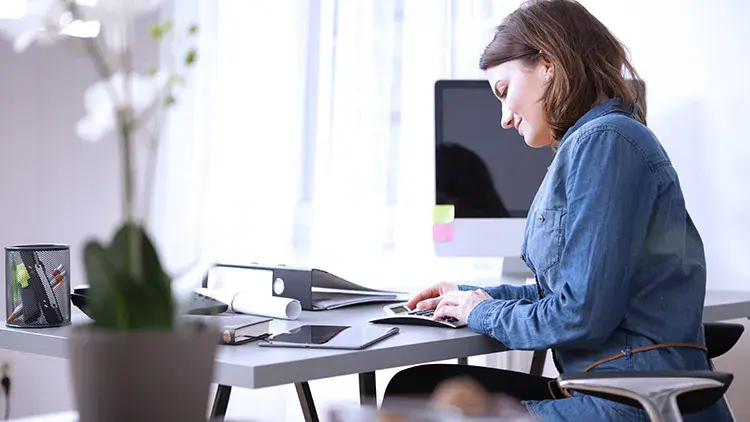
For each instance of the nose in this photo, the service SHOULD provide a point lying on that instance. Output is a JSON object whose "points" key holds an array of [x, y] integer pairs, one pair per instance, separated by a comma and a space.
{"points": [[507, 120]]}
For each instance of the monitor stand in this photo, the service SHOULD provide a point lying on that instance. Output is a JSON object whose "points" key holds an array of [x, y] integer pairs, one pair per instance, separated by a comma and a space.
{"points": [[515, 271]]}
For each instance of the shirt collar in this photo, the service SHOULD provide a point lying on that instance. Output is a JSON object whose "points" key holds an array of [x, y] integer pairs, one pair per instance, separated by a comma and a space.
{"points": [[612, 105]]}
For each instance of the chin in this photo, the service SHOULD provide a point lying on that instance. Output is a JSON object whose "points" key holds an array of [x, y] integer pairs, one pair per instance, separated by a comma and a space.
{"points": [[534, 140]]}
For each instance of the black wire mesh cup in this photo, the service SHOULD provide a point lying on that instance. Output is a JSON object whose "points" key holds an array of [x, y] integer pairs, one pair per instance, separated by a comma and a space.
{"points": [[37, 285]]}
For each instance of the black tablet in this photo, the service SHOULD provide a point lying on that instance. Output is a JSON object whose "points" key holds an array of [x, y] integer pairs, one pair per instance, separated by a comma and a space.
{"points": [[331, 337]]}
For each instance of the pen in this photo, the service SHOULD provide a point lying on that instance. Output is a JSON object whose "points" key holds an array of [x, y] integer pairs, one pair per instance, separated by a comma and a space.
{"points": [[58, 276], [16, 292]]}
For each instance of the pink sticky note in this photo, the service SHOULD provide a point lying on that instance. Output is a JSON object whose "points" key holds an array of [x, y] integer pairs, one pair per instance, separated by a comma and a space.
{"points": [[442, 232]]}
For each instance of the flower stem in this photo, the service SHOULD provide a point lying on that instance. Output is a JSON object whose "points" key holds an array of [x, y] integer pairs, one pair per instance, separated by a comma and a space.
{"points": [[125, 126], [133, 237]]}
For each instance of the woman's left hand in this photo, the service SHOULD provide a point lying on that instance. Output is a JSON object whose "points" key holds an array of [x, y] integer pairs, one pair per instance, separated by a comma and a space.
{"points": [[460, 304]]}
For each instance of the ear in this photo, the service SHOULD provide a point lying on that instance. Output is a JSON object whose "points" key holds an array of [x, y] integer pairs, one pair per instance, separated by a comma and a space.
{"points": [[546, 68]]}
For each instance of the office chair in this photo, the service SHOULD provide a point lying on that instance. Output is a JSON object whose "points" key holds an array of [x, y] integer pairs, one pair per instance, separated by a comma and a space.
{"points": [[665, 395]]}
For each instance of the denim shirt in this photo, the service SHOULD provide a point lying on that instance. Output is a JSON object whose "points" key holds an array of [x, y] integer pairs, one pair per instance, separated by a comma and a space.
{"points": [[618, 263]]}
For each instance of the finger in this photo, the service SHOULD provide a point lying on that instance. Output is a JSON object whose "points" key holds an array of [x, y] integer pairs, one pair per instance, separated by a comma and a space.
{"points": [[446, 311], [444, 301], [448, 300], [429, 303], [424, 294]]}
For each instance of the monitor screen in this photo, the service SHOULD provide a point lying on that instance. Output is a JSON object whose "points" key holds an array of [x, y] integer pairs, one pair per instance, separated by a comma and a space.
{"points": [[485, 171]]}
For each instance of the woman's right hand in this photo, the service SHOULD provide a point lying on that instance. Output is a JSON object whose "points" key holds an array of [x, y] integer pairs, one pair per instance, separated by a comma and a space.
{"points": [[431, 296]]}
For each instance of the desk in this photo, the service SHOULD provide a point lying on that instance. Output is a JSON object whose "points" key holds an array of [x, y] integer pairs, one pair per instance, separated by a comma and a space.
{"points": [[250, 366]]}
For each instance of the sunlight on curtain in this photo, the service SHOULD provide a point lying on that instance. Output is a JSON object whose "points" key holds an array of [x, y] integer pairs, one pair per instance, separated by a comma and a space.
{"points": [[312, 141], [374, 169], [309, 141]]}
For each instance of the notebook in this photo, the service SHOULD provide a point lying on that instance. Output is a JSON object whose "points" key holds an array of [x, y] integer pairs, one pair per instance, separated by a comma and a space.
{"points": [[237, 329]]}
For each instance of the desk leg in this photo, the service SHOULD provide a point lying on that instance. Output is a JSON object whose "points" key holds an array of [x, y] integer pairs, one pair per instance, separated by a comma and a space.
{"points": [[537, 362], [221, 402], [463, 361], [367, 390], [306, 401]]}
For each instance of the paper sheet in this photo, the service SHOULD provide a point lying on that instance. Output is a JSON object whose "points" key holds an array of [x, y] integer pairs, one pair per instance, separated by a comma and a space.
{"points": [[255, 304]]}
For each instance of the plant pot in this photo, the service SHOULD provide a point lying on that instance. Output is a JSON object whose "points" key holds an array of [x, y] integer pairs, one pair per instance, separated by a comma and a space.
{"points": [[142, 376]]}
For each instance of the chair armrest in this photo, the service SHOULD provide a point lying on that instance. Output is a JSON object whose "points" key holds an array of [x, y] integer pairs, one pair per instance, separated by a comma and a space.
{"points": [[721, 337], [665, 395]]}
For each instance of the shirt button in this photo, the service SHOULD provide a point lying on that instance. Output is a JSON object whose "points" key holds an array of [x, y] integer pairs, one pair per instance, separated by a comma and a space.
{"points": [[540, 218]]}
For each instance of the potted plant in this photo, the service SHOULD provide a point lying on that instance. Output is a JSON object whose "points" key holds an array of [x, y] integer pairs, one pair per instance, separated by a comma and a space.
{"points": [[137, 360]]}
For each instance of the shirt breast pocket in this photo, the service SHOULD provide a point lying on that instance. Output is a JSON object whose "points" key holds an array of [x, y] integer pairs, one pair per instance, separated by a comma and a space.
{"points": [[546, 236]]}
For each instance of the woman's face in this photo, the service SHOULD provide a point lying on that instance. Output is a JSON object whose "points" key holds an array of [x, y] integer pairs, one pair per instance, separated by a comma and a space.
{"points": [[520, 89]]}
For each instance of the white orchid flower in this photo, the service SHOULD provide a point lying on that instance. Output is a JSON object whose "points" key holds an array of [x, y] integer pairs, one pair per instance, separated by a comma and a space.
{"points": [[45, 20], [42, 23], [115, 16], [143, 95], [127, 8]]}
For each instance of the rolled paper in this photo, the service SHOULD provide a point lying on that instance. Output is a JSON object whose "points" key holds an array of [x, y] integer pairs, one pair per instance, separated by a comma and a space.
{"points": [[255, 304]]}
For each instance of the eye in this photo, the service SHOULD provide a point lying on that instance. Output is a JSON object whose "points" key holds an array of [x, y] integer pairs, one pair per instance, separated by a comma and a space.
{"points": [[502, 92]]}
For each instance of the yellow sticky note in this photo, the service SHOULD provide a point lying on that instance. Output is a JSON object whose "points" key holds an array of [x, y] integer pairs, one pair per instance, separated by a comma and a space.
{"points": [[22, 276], [443, 214]]}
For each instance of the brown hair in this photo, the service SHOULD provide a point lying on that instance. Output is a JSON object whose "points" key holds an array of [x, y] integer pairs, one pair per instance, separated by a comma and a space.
{"points": [[588, 60]]}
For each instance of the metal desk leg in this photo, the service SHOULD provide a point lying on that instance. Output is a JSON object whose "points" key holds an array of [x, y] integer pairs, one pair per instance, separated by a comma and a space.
{"points": [[537, 362], [463, 361], [367, 390], [306, 401], [221, 402]]}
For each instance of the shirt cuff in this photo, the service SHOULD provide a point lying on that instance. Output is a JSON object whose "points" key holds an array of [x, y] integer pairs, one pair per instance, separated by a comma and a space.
{"points": [[531, 406], [480, 319], [467, 287]]}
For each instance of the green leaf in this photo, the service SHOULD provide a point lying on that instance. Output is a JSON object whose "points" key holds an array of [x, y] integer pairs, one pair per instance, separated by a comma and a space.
{"points": [[158, 31], [125, 298], [191, 56], [103, 292], [192, 29], [175, 78], [169, 100]]}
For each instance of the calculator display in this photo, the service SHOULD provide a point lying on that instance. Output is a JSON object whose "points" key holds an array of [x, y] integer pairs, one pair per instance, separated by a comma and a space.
{"points": [[400, 309]]}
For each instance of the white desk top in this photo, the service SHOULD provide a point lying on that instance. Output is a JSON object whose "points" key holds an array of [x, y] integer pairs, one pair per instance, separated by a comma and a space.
{"points": [[251, 366]]}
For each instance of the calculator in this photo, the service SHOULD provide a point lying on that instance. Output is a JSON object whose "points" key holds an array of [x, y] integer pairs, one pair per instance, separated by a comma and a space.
{"points": [[400, 314]]}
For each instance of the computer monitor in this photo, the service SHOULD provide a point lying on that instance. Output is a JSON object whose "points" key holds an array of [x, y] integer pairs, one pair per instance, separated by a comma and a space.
{"points": [[486, 177]]}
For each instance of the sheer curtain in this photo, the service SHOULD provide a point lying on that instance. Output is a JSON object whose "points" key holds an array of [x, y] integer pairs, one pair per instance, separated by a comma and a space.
{"points": [[306, 134], [306, 138]]}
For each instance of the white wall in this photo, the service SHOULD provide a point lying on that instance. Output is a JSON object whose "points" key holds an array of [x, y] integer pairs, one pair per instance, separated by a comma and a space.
{"points": [[56, 187], [693, 55], [75, 189]]}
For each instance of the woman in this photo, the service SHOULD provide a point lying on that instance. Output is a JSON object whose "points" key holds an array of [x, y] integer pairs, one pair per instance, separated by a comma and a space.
{"points": [[618, 262]]}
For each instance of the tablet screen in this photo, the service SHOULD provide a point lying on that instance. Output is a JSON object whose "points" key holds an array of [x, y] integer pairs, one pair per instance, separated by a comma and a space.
{"points": [[310, 334]]}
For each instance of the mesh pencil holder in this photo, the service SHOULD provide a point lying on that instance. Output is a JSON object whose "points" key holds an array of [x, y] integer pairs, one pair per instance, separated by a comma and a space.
{"points": [[37, 285]]}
